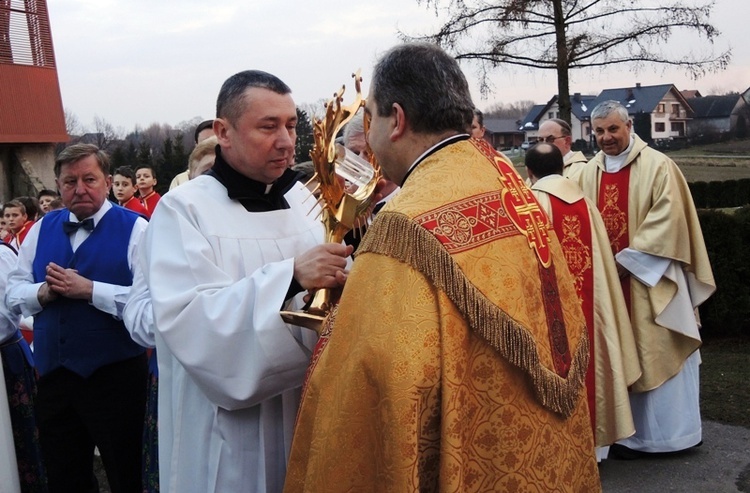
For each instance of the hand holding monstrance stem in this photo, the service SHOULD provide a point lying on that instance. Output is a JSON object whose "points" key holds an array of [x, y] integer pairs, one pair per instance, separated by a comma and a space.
{"points": [[341, 209]]}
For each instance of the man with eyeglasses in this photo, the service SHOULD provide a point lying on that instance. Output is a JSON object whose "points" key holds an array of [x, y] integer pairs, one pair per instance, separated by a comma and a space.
{"points": [[557, 132]]}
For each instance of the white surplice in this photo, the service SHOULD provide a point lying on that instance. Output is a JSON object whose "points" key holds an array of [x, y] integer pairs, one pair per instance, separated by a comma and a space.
{"points": [[230, 370], [9, 481]]}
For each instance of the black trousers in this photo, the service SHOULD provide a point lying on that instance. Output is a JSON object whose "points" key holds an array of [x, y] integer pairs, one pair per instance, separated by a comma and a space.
{"points": [[105, 410]]}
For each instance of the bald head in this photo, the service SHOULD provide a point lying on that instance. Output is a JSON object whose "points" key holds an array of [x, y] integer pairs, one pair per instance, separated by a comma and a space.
{"points": [[557, 132], [543, 160]]}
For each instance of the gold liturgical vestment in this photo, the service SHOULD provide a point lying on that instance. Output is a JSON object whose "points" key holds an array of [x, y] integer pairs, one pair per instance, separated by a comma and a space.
{"points": [[457, 356], [614, 351], [661, 221], [573, 164]]}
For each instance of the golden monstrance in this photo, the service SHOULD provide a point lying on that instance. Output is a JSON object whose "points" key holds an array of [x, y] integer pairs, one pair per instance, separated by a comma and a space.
{"points": [[346, 183]]}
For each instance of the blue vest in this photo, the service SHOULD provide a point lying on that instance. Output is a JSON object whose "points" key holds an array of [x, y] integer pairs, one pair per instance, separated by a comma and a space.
{"points": [[72, 333]]}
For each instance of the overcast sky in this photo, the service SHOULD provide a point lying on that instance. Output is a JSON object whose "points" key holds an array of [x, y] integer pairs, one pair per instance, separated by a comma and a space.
{"points": [[145, 61]]}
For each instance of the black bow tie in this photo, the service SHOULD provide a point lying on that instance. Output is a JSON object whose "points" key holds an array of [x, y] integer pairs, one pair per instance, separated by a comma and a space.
{"points": [[71, 226]]}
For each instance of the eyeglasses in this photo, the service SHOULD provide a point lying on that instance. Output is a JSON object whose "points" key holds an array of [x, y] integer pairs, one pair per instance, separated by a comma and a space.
{"points": [[550, 139]]}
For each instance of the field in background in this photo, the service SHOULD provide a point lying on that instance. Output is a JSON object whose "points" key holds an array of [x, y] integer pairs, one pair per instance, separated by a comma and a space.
{"points": [[714, 162]]}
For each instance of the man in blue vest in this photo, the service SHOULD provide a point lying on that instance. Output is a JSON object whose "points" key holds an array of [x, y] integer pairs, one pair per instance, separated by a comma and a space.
{"points": [[74, 273]]}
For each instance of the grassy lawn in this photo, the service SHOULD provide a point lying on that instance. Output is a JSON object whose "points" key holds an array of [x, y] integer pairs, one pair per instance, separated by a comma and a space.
{"points": [[714, 162]]}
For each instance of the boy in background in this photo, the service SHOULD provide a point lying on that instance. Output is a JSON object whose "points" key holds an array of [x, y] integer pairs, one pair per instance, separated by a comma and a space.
{"points": [[45, 198], [16, 222], [123, 187], [145, 180]]}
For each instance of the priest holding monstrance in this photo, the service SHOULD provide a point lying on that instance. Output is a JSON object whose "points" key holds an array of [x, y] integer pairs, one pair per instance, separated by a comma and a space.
{"points": [[458, 350]]}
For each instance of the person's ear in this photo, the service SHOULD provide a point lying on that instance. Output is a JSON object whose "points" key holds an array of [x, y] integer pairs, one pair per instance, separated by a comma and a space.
{"points": [[399, 123], [221, 130]]}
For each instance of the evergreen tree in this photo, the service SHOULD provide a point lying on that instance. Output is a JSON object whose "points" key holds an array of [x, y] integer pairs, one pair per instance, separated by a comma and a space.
{"points": [[131, 154], [305, 139], [145, 155], [118, 157]]}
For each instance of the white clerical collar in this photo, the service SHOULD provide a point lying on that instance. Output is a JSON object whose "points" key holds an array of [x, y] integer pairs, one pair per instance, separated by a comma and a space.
{"points": [[568, 155], [613, 164], [107, 205], [445, 142]]}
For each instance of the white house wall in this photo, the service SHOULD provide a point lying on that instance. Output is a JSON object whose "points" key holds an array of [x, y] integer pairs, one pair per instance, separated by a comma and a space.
{"points": [[579, 130], [667, 117]]}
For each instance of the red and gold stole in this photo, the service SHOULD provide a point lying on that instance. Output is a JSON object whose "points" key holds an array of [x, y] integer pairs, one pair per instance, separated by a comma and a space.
{"points": [[572, 224], [613, 204], [524, 212]]}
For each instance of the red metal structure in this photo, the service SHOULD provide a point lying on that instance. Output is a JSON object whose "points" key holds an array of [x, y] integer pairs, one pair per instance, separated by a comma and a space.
{"points": [[31, 108]]}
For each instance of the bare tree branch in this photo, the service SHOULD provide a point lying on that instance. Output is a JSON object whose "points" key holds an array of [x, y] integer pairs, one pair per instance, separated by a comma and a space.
{"points": [[569, 34]]}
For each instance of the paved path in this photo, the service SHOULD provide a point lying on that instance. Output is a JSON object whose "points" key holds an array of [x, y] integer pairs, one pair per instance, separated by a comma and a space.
{"points": [[720, 465]]}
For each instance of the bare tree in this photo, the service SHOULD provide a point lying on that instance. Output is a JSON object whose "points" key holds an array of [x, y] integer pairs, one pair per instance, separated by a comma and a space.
{"points": [[518, 109], [72, 124], [105, 133], [561, 35], [314, 110]]}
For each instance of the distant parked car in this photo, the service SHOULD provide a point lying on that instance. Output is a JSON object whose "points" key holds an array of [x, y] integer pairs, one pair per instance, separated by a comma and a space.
{"points": [[525, 146]]}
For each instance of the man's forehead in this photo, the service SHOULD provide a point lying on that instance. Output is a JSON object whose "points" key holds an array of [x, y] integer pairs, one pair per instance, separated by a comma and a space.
{"points": [[549, 127], [85, 165], [266, 104], [611, 120]]}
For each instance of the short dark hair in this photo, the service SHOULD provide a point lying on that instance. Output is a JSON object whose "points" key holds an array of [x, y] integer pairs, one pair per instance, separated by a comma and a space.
{"points": [[30, 205], [231, 101], [46, 192], [544, 159], [147, 166], [127, 172], [428, 84], [14, 204], [76, 152], [201, 127]]}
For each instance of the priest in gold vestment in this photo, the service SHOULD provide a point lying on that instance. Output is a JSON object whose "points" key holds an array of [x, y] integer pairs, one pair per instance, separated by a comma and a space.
{"points": [[457, 355], [654, 231], [614, 365]]}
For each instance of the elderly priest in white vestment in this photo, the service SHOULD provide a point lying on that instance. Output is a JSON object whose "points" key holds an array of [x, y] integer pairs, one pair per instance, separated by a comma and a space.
{"points": [[654, 231], [223, 254]]}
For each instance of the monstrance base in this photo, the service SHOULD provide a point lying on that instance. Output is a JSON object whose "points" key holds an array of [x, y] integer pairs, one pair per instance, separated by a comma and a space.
{"points": [[304, 319]]}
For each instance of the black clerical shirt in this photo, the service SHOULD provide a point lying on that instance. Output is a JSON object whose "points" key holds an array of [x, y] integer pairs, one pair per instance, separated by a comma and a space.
{"points": [[256, 196], [253, 195]]}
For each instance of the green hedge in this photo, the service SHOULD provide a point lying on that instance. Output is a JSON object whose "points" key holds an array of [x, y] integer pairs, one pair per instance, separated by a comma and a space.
{"points": [[727, 237], [719, 194]]}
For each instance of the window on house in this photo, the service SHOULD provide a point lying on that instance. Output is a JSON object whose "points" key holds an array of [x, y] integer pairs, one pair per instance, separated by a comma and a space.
{"points": [[675, 109], [679, 128], [659, 127], [660, 108], [551, 114]]}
